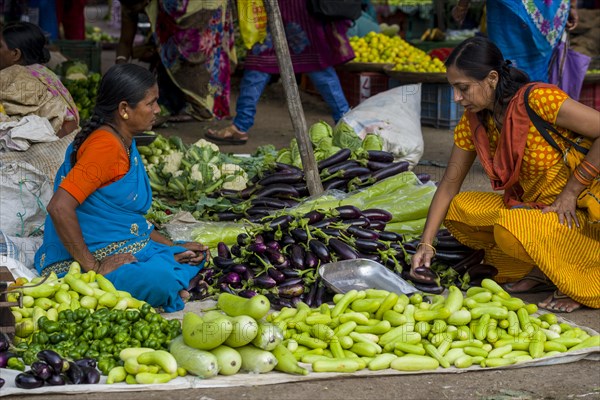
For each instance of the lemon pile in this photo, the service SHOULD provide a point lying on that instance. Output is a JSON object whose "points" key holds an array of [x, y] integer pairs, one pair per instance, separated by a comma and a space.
{"points": [[379, 48]]}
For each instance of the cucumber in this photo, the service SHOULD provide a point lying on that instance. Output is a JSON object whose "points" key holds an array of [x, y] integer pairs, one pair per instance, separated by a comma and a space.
{"points": [[414, 362]]}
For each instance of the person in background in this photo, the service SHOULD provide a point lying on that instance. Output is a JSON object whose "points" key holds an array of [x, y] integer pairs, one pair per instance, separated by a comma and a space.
{"points": [[526, 35], [195, 45], [534, 234], [102, 192], [316, 46], [22, 55], [70, 15]]}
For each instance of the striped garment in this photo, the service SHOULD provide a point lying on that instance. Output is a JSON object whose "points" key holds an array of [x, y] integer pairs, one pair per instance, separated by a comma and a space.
{"points": [[569, 257]]}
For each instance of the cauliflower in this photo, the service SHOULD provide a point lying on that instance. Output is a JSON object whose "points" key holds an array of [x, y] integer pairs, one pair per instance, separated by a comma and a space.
{"points": [[195, 173], [216, 173], [231, 169], [205, 143], [172, 162], [237, 183]]}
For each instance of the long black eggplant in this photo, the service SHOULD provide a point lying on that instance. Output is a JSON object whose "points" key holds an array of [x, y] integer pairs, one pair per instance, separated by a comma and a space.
{"points": [[341, 156], [290, 272], [354, 171], [280, 190], [324, 223], [377, 214], [270, 202], [377, 225], [287, 239], [227, 216], [275, 256], [290, 291], [343, 250], [319, 295], [380, 156], [282, 222], [296, 254], [299, 234], [302, 189], [361, 233], [391, 170], [53, 359], [223, 250], [337, 183], [222, 262], [286, 167], [332, 232], [320, 250], [452, 257], [474, 258], [342, 166], [423, 177], [27, 380], [264, 281], [369, 245], [259, 211], [314, 216], [390, 236], [377, 165], [361, 222], [277, 275], [348, 212], [310, 260], [287, 176]]}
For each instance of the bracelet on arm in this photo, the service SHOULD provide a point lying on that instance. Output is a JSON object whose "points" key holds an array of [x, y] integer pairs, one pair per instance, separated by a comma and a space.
{"points": [[428, 245], [589, 168], [122, 58], [580, 178]]}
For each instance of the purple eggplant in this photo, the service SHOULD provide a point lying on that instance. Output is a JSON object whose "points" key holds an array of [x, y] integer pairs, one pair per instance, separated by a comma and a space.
{"points": [[286, 167], [310, 260], [222, 262], [341, 156], [264, 281], [348, 212], [227, 193], [332, 232], [268, 202], [248, 192], [320, 250], [259, 238], [361, 222], [369, 245], [257, 211], [27, 380], [4, 357], [281, 222], [376, 225], [227, 216], [302, 189], [223, 250], [466, 262], [2, 382], [243, 239], [75, 374], [290, 272], [342, 166], [380, 155], [390, 236], [277, 275], [225, 288], [287, 176], [56, 380], [239, 269], [324, 223], [258, 248], [247, 293], [236, 250], [90, 375], [319, 295], [362, 233], [53, 359], [285, 264], [337, 183], [41, 369], [297, 256], [287, 239], [273, 245], [391, 170], [299, 234], [275, 256], [423, 177], [376, 165], [372, 257], [378, 214], [314, 216], [290, 290], [280, 190], [343, 250], [230, 278], [354, 171]]}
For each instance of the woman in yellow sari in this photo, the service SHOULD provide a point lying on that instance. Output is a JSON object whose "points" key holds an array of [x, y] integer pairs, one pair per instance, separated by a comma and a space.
{"points": [[534, 231]]}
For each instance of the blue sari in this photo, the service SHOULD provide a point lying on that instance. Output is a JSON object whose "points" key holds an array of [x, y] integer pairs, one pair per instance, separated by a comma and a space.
{"points": [[526, 31], [112, 221]]}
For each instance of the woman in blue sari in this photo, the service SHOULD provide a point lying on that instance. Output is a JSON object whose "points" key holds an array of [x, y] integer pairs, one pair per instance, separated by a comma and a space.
{"points": [[526, 31], [102, 192]]}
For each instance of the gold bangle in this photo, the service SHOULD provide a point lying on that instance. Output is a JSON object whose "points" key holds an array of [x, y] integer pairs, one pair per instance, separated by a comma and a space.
{"points": [[428, 245]]}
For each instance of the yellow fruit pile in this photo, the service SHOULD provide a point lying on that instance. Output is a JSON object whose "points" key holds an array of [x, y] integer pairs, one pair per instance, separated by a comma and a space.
{"points": [[379, 48]]}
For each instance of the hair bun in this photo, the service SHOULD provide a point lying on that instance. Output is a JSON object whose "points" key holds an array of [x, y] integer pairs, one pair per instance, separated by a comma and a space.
{"points": [[45, 56]]}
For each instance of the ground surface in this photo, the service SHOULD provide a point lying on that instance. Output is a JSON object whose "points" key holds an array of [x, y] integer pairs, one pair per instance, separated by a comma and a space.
{"points": [[580, 380]]}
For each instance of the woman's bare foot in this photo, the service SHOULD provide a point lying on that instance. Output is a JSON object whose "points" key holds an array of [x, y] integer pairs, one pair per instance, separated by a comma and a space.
{"points": [[185, 295], [534, 282], [559, 302]]}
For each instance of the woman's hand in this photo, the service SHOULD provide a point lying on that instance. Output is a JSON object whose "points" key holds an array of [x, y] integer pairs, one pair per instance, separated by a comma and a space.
{"points": [[565, 206], [195, 254], [420, 264], [573, 19], [111, 263]]}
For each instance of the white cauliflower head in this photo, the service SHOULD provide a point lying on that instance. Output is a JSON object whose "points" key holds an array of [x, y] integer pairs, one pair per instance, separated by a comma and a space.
{"points": [[195, 173], [172, 162], [205, 143], [237, 183]]}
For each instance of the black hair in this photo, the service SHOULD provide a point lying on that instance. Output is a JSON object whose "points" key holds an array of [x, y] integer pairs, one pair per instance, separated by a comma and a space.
{"points": [[122, 82], [29, 39], [476, 57]]}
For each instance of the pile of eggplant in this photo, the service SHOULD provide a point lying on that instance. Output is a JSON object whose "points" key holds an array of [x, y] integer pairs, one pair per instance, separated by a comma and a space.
{"points": [[454, 263], [53, 370], [280, 258], [284, 186]]}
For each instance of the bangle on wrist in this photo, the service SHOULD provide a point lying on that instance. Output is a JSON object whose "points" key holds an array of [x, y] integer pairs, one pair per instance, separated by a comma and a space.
{"points": [[428, 245], [125, 58]]}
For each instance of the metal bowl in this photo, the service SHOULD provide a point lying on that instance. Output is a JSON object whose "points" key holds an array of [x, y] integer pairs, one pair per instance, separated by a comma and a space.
{"points": [[361, 274], [144, 139]]}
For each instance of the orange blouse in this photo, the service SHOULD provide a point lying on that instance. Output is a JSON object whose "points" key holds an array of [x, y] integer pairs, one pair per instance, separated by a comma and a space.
{"points": [[101, 160]]}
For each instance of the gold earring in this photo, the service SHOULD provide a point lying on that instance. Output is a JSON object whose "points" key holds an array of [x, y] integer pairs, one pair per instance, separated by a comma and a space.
{"points": [[125, 116]]}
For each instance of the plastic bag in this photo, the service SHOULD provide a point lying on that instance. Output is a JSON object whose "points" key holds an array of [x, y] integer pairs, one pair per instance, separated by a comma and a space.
{"points": [[567, 68], [394, 115], [252, 17]]}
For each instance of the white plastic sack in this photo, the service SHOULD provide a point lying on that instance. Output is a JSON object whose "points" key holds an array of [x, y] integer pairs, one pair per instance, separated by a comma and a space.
{"points": [[394, 115], [19, 135], [24, 193]]}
